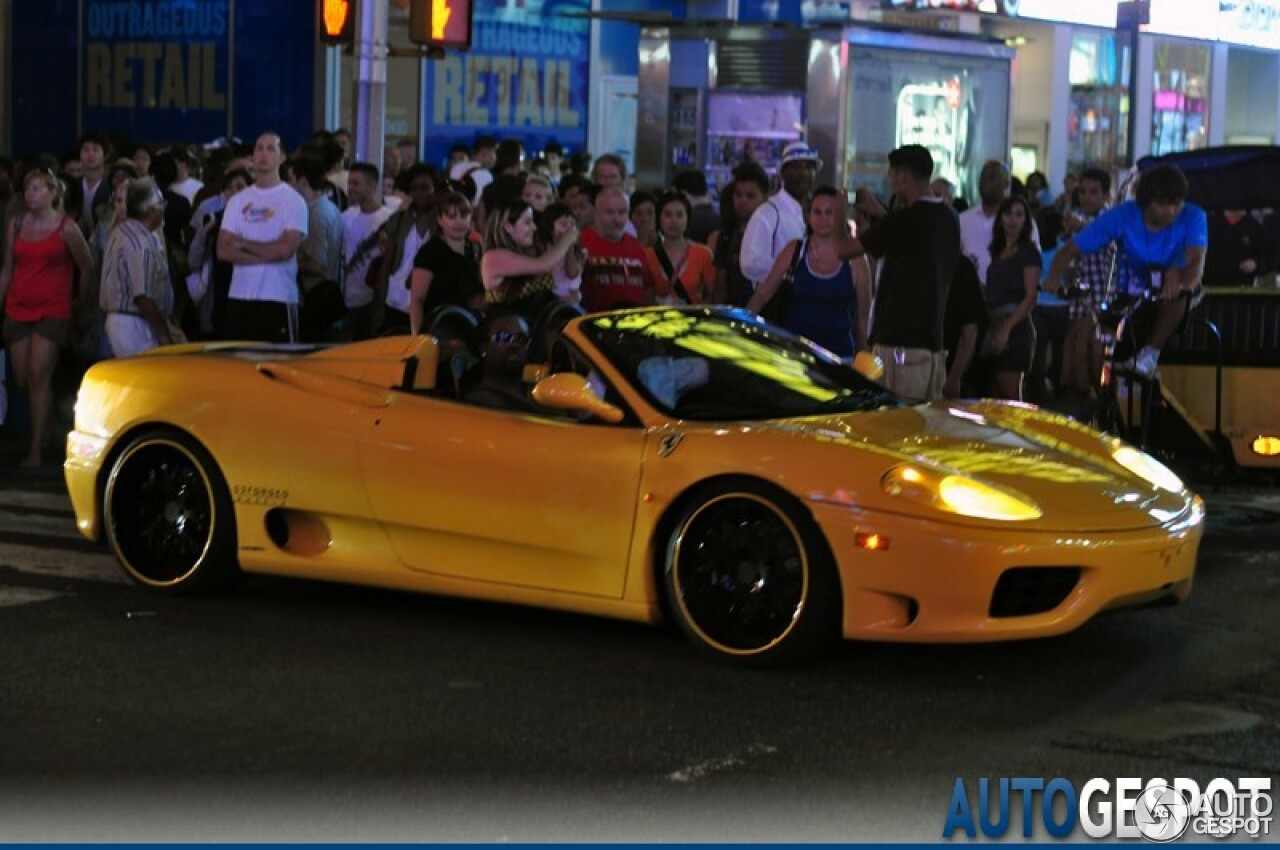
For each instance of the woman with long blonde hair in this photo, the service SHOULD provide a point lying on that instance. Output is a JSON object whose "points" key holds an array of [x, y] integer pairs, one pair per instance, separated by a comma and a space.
{"points": [[43, 250]]}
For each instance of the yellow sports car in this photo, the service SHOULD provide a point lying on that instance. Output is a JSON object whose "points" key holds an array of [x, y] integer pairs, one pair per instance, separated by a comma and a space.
{"points": [[695, 464]]}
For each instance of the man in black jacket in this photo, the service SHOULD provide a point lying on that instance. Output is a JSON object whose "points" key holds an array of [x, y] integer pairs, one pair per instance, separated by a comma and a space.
{"points": [[87, 197]]}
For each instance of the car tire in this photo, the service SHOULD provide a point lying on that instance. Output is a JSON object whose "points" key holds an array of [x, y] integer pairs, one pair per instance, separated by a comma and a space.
{"points": [[748, 576], [168, 515]]}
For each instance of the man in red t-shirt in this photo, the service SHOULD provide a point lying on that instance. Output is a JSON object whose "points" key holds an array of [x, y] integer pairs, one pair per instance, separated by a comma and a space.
{"points": [[614, 274]]}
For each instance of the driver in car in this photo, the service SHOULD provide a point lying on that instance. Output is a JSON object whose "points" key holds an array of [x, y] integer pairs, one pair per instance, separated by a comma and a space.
{"points": [[504, 351]]}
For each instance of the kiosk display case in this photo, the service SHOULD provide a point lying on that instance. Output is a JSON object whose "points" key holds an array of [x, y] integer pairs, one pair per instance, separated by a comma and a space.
{"points": [[750, 127], [714, 95]]}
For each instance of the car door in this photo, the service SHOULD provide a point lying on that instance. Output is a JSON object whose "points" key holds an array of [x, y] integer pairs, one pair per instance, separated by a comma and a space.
{"points": [[502, 497]]}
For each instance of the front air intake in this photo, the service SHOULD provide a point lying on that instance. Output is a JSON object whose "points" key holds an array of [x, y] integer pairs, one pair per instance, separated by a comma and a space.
{"points": [[1023, 591]]}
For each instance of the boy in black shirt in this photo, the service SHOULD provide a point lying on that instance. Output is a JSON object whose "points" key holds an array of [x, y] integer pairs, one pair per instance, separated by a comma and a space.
{"points": [[918, 245]]}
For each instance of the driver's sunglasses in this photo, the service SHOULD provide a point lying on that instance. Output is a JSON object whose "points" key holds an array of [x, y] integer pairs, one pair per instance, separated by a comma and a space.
{"points": [[509, 338]]}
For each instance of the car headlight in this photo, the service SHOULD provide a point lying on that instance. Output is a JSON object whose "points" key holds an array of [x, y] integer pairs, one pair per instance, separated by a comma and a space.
{"points": [[958, 494], [1147, 468]]}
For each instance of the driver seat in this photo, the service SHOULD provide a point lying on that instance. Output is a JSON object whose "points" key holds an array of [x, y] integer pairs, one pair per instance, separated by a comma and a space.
{"points": [[458, 369]]}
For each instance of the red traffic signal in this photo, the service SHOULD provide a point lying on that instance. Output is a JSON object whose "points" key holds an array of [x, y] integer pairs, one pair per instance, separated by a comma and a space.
{"points": [[440, 23], [337, 21]]}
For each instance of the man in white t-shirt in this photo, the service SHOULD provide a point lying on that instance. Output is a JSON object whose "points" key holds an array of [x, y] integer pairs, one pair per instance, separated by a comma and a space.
{"points": [[977, 223], [262, 229], [360, 224]]}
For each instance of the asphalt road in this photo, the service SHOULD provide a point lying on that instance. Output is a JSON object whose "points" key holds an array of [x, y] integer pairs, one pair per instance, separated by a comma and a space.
{"points": [[292, 711]]}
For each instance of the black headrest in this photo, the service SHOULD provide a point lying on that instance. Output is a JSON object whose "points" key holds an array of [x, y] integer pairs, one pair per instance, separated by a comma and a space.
{"points": [[547, 325], [450, 321]]}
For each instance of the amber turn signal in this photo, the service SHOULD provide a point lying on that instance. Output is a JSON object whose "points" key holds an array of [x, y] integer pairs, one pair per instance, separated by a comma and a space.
{"points": [[871, 541]]}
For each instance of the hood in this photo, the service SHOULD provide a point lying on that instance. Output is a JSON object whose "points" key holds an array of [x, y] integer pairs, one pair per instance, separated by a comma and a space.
{"points": [[1064, 467]]}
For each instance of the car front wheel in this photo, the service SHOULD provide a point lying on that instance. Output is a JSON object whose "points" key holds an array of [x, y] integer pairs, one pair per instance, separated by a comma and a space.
{"points": [[168, 514], [749, 577]]}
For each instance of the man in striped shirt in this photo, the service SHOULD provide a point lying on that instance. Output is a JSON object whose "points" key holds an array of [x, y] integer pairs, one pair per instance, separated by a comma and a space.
{"points": [[136, 294]]}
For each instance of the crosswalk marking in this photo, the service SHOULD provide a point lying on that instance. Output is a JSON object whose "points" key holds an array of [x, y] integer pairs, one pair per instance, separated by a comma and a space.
{"points": [[38, 537], [13, 596], [34, 499], [45, 524], [58, 563]]}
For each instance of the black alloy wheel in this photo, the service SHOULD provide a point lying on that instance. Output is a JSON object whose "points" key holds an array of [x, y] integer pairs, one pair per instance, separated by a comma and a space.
{"points": [[749, 577], [168, 514]]}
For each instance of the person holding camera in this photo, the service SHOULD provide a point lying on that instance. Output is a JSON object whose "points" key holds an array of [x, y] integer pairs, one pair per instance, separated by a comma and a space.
{"points": [[918, 245]]}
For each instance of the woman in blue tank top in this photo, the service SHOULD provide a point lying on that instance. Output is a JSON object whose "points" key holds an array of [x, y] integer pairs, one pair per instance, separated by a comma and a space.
{"points": [[828, 299]]}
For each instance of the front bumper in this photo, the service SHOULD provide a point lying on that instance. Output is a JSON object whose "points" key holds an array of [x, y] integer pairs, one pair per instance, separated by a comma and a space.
{"points": [[938, 582], [85, 453]]}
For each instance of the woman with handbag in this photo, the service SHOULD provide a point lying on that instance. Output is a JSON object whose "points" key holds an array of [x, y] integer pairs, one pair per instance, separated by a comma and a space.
{"points": [[683, 271], [818, 295]]}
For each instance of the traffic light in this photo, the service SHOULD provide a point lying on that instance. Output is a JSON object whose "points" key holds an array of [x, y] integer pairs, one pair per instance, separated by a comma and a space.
{"points": [[337, 21], [440, 23]]}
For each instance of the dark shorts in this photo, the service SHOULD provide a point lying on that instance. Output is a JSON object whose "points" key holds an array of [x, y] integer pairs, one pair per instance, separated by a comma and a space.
{"points": [[394, 322], [262, 321], [56, 331], [1017, 355], [357, 325], [1142, 319]]}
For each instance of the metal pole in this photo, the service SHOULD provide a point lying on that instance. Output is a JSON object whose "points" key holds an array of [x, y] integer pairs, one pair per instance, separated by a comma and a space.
{"points": [[1131, 154], [371, 81], [332, 89], [6, 79], [231, 69]]}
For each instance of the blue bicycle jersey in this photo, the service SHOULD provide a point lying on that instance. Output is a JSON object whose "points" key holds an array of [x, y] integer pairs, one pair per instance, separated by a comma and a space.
{"points": [[1146, 250]]}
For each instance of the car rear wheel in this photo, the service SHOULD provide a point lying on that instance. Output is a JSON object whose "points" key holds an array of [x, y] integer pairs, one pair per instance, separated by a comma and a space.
{"points": [[749, 577], [168, 514]]}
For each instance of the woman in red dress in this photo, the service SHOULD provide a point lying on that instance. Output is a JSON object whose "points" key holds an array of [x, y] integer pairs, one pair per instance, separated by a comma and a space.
{"points": [[43, 249]]}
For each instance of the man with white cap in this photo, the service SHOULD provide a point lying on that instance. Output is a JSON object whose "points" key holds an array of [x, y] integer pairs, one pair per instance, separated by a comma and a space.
{"points": [[780, 219]]}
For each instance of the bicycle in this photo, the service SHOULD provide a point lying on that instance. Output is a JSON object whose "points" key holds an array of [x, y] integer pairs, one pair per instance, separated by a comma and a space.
{"points": [[1113, 317], [1127, 399]]}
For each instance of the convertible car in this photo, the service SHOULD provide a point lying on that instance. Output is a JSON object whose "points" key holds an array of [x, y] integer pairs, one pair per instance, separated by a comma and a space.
{"points": [[692, 464]]}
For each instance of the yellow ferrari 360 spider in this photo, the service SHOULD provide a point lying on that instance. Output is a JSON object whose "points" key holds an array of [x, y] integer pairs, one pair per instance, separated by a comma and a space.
{"points": [[694, 464]]}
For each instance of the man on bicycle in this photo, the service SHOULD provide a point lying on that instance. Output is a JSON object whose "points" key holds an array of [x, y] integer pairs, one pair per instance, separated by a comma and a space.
{"points": [[1163, 240]]}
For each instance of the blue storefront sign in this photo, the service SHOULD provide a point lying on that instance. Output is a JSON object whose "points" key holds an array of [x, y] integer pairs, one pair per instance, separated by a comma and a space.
{"points": [[156, 69], [524, 77], [161, 71]]}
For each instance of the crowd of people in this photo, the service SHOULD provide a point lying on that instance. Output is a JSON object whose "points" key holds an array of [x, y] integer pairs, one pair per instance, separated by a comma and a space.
{"points": [[117, 248]]}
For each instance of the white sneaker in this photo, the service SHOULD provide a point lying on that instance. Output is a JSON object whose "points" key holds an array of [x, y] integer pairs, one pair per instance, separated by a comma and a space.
{"points": [[1146, 361]]}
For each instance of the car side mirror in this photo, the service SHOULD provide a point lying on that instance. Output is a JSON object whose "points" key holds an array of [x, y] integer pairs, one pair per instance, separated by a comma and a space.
{"points": [[570, 391], [869, 366]]}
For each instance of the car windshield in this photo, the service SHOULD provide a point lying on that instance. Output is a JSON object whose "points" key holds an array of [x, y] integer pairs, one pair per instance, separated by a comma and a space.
{"points": [[721, 364]]}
